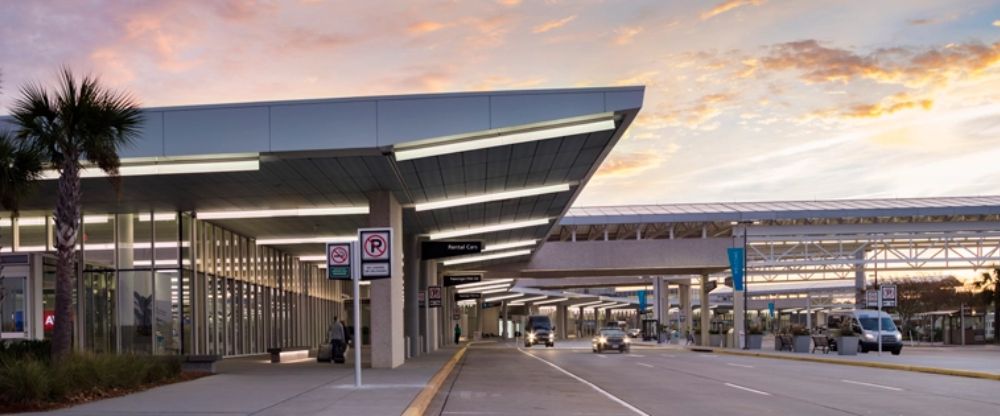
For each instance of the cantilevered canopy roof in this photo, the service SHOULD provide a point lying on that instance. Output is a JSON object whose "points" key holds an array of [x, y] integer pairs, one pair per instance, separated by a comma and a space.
{"points": [[741, 211], [465, 166]]}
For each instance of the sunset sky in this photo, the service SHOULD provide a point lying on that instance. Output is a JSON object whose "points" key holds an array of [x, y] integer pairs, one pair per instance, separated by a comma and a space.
{"points": [[745, 99]]}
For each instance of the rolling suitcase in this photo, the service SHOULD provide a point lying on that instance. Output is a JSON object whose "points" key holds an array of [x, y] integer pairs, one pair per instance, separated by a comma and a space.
{"points": [[338, 352], [325, 353]]}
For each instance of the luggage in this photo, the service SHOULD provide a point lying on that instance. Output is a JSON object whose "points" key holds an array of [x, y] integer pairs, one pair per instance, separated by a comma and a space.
{"points": [[325, 353], [338, 352]]}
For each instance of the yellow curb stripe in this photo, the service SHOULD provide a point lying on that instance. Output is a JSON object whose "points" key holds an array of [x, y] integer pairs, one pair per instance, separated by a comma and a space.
{"points": [[420, 403], [871, 364]]}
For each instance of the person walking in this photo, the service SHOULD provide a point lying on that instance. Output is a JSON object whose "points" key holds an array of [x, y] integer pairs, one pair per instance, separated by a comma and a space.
{"points": [[458, 333], [337, 340]]}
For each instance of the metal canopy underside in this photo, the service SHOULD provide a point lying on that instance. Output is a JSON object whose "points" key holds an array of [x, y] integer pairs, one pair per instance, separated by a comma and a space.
{"points": [[336, 176]]}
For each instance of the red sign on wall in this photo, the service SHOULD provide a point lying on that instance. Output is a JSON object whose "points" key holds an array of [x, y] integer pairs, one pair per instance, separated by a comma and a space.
{"points": [[49, 320]]}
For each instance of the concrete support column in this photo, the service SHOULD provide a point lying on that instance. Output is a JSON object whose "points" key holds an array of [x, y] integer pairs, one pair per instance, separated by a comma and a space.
{"points": [[504, 333], [860, 281], [687, 318], [562, 319], [411, 285], [432, 316], [705, 311], [387, 349]]}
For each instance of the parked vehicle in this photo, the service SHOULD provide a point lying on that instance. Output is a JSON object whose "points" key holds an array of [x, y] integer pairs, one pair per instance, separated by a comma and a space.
{"points": [[865, 323], [635, 332], [539, 330], [610, 339]]}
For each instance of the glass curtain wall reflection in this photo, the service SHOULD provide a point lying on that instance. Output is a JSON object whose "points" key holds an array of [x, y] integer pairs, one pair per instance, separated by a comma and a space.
{"points": [[168, 283]]}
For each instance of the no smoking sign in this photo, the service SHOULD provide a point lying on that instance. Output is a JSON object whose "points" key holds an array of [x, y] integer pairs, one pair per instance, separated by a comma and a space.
{"points": [[338, 260]]}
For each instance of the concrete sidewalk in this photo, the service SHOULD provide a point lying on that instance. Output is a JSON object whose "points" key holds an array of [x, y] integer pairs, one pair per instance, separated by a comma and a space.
{"points": [[254, 386]]}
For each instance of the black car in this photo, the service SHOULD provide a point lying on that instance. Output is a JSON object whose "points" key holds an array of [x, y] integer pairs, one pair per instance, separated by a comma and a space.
{"points": [[610, 339], [539, 331]]}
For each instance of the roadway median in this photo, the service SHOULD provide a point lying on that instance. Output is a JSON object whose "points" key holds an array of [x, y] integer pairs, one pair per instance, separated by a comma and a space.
{"points": [[850, 362]]}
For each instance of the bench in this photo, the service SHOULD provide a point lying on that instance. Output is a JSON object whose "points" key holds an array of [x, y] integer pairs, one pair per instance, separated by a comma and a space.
{"points": [[785, 342], [286, 354], [821, 342], [200, 363]]}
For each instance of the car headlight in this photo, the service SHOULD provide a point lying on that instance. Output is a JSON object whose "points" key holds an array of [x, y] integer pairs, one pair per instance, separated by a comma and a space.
{"points": [[869, 336], [899, 337], [602, 340], [627, 341], [531, 336]]}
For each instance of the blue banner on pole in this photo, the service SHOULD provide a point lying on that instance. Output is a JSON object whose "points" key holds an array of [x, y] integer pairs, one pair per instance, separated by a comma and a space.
{"points": [[770, 308], [736, 264], [642, 300]]}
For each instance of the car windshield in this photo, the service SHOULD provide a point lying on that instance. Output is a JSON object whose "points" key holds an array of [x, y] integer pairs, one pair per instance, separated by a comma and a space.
{"points": [[540, 324], [869, 323], [612, 333]]}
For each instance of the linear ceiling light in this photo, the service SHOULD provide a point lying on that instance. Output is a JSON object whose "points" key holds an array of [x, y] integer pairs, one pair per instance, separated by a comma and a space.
{"points": [[484, 283], [496, 140], [580, 305], [488, 229], [305, 240], [601, 305], [532, 299], [498, 196], [275, 213], [485, 257], [556, 300], [487, 292], [318, 257], [496, 298], [481, 288], [632, 288], [159, 216], [166, 167], [504, 246]]}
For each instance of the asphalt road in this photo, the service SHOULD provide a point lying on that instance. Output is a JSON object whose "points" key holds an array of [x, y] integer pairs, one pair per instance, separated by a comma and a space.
{"points": [[501, 378]]}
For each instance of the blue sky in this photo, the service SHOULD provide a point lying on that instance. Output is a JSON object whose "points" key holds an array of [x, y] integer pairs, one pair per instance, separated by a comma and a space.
{"points": [[746, 99]]}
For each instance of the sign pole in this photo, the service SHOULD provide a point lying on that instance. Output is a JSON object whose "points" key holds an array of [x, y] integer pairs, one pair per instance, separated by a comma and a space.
{"points": [[356, 279]]}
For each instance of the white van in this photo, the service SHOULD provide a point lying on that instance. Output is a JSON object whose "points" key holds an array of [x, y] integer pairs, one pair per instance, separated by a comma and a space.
{"points": [[865, 323]]}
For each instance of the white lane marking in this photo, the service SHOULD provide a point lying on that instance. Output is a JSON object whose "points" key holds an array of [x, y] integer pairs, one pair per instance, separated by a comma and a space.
{"points": [[602, 355], [740, 365], [637, 355], [644, 365], [668, 355], [591, 385], [762, 393], [872, 385], [707, 355]]}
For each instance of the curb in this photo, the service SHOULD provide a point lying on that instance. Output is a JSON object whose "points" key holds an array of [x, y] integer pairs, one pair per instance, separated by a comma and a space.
{"points": [[420, 403], [870, 364]]}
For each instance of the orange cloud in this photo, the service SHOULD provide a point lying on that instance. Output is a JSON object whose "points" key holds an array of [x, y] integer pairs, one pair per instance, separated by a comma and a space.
{"points": [[996, 23], [886, 106], [424, 27], [509, 2], [553, 24], [628, 164], [624, 35], [727, 6], [902, 66], [694, 115]]}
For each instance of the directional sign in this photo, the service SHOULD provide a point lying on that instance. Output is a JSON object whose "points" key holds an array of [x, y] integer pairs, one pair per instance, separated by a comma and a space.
{"points": [[871, 298], [376, 253], [889, 296], [453, 280], [467, 296], [736, 265], [338, 261], [434, 296], [430, 250]]}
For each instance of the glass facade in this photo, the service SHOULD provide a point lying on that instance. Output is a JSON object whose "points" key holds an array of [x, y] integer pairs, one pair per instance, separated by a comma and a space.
{"points": [[167, 283]]}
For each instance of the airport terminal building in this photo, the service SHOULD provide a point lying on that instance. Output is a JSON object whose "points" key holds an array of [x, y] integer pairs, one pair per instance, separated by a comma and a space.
{"points": [[216, 241]]}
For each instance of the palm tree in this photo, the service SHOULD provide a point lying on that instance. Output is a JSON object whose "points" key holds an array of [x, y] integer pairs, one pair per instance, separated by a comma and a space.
{"points": [[20, 165], [989, 283], [80, 120]]}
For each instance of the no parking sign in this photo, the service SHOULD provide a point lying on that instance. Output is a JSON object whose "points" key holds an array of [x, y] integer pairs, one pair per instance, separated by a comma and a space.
{"points": [[376, 253]]}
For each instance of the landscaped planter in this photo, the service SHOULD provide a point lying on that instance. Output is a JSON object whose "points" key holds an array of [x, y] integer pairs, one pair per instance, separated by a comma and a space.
{"points": [[847, 345], [715, 340], [755, 341], [802, 343]]}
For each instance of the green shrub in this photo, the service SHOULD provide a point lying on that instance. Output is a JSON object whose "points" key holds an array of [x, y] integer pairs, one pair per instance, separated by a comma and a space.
{"points": [[24, 381], [21, 349]]}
